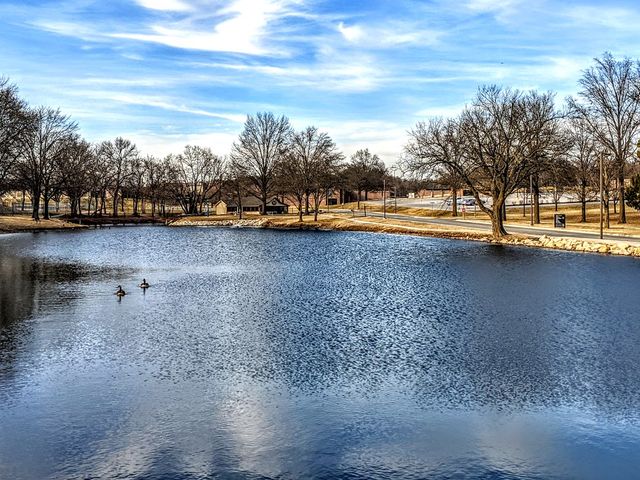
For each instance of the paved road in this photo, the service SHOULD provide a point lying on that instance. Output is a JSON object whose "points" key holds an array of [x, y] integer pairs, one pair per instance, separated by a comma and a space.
{"points": [[524, 230]]}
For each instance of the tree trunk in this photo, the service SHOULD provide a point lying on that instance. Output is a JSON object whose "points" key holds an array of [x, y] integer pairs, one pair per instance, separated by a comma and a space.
{"points": [[359, 191], [622, 218], [35, 200], [454, 202], [536, 199], [306, 203], [46, 199], [497, 223], [300, 210], [115, 203]]}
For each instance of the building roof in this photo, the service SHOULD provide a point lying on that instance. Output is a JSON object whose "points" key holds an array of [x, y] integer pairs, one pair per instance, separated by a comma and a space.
{"points": [[253, 201]]}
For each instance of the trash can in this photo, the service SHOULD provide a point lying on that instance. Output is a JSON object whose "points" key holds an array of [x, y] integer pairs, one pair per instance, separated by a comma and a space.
{"points": [[559, 220]]}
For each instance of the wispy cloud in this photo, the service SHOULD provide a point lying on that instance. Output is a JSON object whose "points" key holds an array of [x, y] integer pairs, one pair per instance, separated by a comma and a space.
{"points": [[162, 103], [240, 27], [165, 5], [181, 71]]}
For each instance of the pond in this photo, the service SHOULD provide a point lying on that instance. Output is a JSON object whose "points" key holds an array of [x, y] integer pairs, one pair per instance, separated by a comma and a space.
{"points": [[271, 354]]}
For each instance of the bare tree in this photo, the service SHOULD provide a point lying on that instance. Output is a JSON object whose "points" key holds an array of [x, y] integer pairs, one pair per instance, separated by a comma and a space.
{"points": [[365, 173], [237, 182], [325, 163], [610, 106], [134, 185], [583, 160], [41, 145], [119, 155], [259, 149], [307, 169], [157, 175], [493, 147], [197, 177], [14, 121], [100, 181], [292, 177], [74, 167]]}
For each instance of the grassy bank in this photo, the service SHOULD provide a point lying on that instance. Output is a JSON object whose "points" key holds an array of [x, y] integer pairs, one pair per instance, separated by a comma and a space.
{"points": [[515, 216], [23, 223]]}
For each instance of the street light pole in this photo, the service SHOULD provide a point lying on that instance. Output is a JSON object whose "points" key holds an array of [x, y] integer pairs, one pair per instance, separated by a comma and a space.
{"points": [[531, 197], [395, 199], [384, 198]]}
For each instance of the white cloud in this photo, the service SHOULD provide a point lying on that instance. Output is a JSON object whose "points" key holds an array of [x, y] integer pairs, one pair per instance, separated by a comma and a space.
{"points": [[161, 145], [161, 103], [337, 74], [165, 5], [390, 35], [614, 18], [351, 34], [241, 27]]}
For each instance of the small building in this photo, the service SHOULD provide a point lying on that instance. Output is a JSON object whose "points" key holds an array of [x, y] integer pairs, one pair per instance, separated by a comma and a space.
{"points": [[252, 204], [220, 208]]}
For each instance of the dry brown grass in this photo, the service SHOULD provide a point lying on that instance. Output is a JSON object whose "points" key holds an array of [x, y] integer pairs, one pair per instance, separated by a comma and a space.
{"points": [[632, 227], [23, 223], [514, 217]]}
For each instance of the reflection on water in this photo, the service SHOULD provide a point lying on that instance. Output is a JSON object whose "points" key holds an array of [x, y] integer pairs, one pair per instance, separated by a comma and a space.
{"points": [[261, 354]]}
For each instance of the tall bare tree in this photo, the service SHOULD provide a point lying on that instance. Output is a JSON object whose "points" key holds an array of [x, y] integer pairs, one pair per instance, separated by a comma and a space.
{"points": [[119, 154], [14, 121], [493, 146], [74, 167], [365, 172], [583, 159], [41, 146], [237, 182], [609, 104], [308, 167], [198, 177], [157, 174], [259, 149]]}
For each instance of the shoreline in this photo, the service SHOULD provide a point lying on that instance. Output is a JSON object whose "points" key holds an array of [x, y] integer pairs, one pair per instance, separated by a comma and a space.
{"points": [[24, 224], [378, 225], [20, 224]]}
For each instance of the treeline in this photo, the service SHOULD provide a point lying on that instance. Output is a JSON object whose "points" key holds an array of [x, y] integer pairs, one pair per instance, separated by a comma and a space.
{"points": [[504, 141], [43, 154], [508, 140]]}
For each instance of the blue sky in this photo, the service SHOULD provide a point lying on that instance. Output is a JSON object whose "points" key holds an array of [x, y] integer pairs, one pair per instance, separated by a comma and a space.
{"points": [[166, 73]]}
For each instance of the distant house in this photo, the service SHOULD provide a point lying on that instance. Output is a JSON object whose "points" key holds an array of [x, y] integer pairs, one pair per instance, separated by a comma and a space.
{"points": [[252, 204], [220, 207]]}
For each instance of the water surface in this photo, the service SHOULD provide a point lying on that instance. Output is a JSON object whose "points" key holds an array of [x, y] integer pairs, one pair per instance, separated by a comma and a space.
{"points": [[266, 354]]}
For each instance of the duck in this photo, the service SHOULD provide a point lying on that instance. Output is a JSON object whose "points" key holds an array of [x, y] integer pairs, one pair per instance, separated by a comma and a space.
{"points": [[120, 292], [144, 284]]}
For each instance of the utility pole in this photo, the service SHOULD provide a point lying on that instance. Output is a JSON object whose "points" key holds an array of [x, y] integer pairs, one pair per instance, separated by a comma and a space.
{"points": [[601, 199]]}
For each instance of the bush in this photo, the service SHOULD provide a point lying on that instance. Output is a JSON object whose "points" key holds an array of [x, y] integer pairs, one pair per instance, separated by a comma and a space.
{"points": [[632, 193]]}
